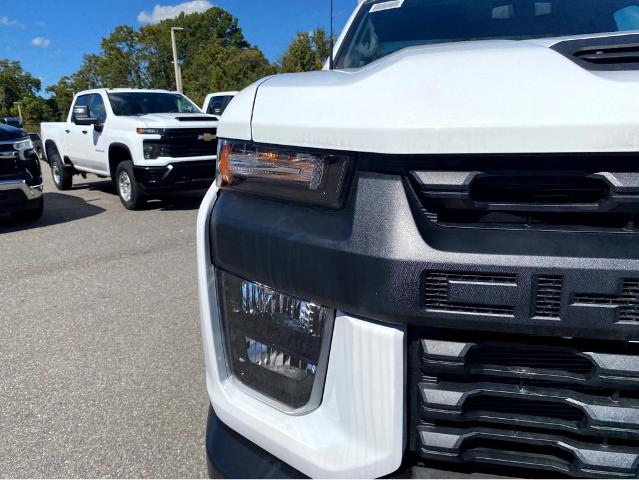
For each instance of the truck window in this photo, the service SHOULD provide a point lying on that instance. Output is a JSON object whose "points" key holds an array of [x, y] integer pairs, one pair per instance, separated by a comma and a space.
{"points": [[144, 103], [383, 27], [81, 101], [217, 105], [97, 108]]}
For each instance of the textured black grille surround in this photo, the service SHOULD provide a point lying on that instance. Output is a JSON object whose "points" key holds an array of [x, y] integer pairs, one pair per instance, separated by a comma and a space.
{"points": [[561, 406]]}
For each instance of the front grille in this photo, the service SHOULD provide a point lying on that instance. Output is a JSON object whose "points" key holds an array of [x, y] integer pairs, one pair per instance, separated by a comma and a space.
{"points": [[548, 303], [8, 159], [627, 302], [188, 142], [438, 285], [556, 193], [556, 405]]}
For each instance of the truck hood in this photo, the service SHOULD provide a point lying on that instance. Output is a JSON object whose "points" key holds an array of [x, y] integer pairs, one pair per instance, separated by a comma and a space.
{"points": [[178, 120], [475, 97], [8, 133]]}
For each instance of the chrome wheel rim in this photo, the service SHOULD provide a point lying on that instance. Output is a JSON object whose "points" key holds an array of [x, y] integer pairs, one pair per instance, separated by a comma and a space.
{"points": [[55, 170], [124, 186]]}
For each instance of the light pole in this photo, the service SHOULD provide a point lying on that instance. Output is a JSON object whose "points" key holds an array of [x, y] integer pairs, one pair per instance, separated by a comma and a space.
{"points": [[19, 110], [178, 72]]}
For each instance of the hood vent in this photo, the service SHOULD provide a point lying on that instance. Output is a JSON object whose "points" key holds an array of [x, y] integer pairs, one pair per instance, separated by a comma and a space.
{"points": [[619, 52], [196, 119], [610, 55]]}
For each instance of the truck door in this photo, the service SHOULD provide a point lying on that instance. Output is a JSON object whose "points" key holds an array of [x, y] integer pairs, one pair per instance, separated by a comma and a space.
{"points": [[97, 154], [77, 144]]}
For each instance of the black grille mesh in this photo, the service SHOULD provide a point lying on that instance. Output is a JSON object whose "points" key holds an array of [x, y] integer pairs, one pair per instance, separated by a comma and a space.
{"points": [[548, 304], [186, 142], [436, 292], [8, 165], [627, 302], [557, 405]]}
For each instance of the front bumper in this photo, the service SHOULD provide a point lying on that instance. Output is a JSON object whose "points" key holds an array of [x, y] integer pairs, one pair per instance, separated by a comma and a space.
{"points": [[400, 285], [337, 439], [176, 176], [17, 195], [230, 455]]}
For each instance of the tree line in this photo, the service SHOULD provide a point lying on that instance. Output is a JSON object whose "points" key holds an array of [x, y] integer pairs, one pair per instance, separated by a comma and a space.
{"points": [[213, 53]]}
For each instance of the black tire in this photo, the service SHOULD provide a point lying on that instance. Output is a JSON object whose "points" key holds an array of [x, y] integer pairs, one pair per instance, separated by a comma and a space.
{"points": [[30, 215], [62, 176], [129, 191]]}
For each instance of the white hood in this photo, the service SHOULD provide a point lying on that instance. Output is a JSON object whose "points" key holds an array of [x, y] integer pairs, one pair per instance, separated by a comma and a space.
{"points": [[475, 97], [170, 120]]}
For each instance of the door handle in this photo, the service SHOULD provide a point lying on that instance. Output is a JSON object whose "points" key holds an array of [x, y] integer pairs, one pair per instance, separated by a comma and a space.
{"points": [[85, 131], [68, 131]]}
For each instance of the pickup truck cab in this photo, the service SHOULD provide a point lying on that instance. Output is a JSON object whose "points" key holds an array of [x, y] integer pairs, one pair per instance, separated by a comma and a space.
{"points": [[150, 142], [12, 121], [20, 176], [425, 261], [216, 103]]}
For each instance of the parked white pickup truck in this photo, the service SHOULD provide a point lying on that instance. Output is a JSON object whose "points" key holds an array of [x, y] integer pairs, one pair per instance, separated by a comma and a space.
{"points": [[216, 103], [150, 142], [424, 263]]}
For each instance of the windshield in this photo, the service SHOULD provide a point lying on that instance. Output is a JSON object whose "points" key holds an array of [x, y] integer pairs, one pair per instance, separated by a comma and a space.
{"points": [[142, 103], [383, 27], [218, 104]]}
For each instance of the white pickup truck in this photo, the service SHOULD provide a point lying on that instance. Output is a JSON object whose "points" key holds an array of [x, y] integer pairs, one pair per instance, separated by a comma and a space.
{"points": [[424, 262], [216, 103], [150, 142]]}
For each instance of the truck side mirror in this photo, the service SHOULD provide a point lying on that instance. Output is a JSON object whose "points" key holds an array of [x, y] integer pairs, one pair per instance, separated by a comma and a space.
{"points": [[81, 116]]}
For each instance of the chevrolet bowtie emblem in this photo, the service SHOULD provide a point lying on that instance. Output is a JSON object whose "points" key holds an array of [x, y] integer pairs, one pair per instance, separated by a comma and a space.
{"points": [[207, 137]]}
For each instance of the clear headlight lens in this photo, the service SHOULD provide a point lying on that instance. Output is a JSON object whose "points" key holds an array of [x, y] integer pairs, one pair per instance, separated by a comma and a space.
{"points": [[150, 131], [22, 145], [275, 344], [286, 173], [152, 150]]}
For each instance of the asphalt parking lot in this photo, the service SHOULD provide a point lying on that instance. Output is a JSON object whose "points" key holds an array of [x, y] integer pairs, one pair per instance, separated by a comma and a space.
{"points": [[101, 369]]}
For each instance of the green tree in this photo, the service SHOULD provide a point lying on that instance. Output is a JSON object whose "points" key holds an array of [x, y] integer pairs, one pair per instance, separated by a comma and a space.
{"points": [[215, 68], [15, 84], [121, 61], [62, 96], [307, 52], [34, 111], [214, 55], [214, 28]]}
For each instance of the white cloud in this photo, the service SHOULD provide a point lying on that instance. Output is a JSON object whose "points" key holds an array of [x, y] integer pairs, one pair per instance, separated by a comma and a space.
{"points": [[41, 42], [164, 12], [7, 22]]}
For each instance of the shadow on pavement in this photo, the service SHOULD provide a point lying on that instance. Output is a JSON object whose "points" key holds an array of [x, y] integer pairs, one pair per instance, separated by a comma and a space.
{"points": [[178, 201], [181, 201], [58, 208]]}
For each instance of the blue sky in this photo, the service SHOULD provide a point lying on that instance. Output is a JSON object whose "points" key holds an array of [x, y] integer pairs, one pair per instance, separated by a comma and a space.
{"points": [[50, 36]]}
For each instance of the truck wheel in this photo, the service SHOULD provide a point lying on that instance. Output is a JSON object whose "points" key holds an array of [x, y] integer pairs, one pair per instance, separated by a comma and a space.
{"points": [[30, 215], [62, 178], [129, 191]]}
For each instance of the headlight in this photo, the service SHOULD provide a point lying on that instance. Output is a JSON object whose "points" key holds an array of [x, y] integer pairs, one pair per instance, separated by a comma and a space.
{"points": [[150, 131], [152, 150], [286, 173], [275, 344], [22, 145]]}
